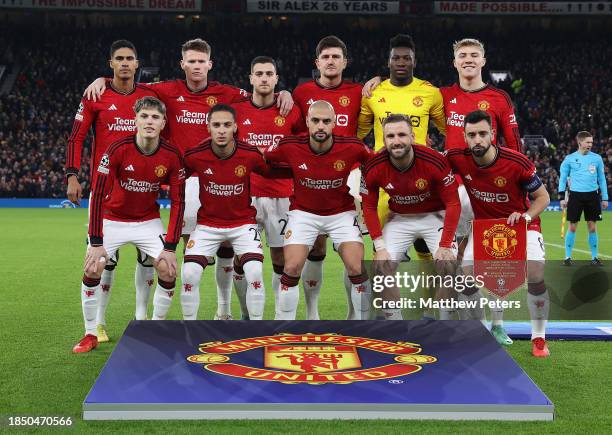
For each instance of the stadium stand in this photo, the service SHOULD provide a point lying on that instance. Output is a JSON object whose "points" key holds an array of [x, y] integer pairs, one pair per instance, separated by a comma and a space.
{"points": [[559, 88]]}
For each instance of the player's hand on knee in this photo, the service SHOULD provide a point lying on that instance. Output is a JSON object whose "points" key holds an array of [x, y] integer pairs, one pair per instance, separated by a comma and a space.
{"points": [[95, 260], [445, 261], [95, 90], [445, 254], [370, 85], [285, 102], [514, 218], [166, 264]]}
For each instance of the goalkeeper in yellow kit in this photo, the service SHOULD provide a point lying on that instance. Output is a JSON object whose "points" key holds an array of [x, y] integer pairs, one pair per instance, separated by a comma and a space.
{"points": [[402, 94]]}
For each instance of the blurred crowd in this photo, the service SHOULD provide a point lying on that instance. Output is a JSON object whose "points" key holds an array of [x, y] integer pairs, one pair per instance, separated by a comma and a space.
{"points": [[558, 88]]}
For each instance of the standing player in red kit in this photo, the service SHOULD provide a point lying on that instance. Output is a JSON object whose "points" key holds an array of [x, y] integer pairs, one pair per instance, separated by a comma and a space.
{"points": [[321, 204], [423, 199], [189, 102], [260, 124], [124, 210], [345, 97], [224, 167], [112, 118], [498, 181], [469, 94]]}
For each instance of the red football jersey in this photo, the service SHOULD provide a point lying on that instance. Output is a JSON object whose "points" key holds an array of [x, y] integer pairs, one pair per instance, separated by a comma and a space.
{"points": [[345, 98], [127, 187], [263, 127], [499, 189], [225, 192], [427, 185], [319, 180], [112, 118], [459, 102], [187, 111]]}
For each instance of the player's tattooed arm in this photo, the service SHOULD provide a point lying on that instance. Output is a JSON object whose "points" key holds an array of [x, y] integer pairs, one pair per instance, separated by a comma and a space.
{"points": [[95, 260]]}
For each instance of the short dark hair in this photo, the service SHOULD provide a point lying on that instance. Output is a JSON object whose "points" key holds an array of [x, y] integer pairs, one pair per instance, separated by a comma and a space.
{"points": [[397, 117], [401, 40], [331, 41], [222, 108], [197, 44], [582, 135], [149, 102], [122, 43], [263, 59], [476, 116]]}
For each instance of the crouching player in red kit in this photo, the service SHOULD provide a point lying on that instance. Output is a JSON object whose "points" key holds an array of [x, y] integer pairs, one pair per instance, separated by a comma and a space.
{"points": [[423, 200], [498, 181], [124, 210], [321, 204], [223, 166]]}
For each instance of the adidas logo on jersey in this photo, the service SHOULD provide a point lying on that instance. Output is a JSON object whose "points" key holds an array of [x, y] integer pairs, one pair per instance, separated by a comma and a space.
{"points": [[180, 98], [453, 101], [112, 107], [130, 168], [309, 102], [303, 166], [389, 186], [208, 171], [382, 100], [247, 122]]}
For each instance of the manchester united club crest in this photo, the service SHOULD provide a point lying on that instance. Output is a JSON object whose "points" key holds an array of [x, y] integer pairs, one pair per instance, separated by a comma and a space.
{"points": [[484, 105], [211, 101], [190, 244], [161, 170], [421, 184], [500, 241], [344, 101], [500, 181], [315, 359], [279, 120], [339, 165], [417, 101], [240, 170]]}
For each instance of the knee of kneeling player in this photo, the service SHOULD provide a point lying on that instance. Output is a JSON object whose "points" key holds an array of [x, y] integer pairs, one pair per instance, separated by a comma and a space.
{"points": [[536, 288]]}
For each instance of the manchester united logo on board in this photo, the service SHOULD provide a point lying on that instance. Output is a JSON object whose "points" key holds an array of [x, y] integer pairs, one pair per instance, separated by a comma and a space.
{"points": [[339, 165], [315, 359], [483, 105], [279, 120], [344, 101], [240, 170], [161, 170], [190, 244], [421, 184], [417, 101], [500, 241], [500, 181], [211, 101]]}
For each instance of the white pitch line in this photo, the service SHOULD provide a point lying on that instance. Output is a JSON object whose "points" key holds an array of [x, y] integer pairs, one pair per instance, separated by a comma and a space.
{"points": [[577, 250]]}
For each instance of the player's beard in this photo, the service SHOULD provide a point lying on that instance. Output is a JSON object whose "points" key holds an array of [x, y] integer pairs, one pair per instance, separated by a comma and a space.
{"points": [[480, 151], [396, 156], [318, 138]]}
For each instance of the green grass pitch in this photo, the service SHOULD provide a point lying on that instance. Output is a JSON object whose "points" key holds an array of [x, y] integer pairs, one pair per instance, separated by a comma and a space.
{"points": [[41, 320]]}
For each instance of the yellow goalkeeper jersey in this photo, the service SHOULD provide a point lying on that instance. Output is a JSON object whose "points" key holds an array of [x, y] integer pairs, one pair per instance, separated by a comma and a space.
{"points": [[419, 100]]}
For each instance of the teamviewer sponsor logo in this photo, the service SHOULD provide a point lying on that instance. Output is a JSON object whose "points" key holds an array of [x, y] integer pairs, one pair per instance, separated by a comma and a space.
{"points": [[224, 189], [490, 196], [132, 185], [121, 124], [411, 199], [264, 140], [321, 184], [187, 117], [455, 119]]}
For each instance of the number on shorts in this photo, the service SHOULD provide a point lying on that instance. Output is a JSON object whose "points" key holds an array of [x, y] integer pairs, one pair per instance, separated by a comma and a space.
{"points": [[257, 236], [284, 222]]}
